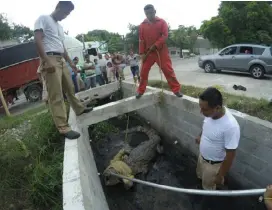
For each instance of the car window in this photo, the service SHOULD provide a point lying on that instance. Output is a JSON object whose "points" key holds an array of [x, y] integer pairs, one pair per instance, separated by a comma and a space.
{"points": [[229, 51], [246, 50], [258, 50]]}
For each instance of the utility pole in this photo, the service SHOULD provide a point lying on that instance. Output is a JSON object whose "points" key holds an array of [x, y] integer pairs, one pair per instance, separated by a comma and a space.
{"points": [[83, 41], [125, 46]]}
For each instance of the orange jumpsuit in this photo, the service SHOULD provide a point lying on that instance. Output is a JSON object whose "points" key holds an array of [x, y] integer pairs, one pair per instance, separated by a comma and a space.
{"points": [[150, 34]]}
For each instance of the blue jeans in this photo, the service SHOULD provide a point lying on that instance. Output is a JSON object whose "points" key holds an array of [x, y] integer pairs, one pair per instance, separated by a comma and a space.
{"points": [[74, 78], [100, 80], [91, 82]]}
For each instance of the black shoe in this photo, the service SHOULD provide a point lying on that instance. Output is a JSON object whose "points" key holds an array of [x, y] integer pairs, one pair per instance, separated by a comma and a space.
{"points": [[235, 87], [71, 135], [139, 95], [179, 94]]}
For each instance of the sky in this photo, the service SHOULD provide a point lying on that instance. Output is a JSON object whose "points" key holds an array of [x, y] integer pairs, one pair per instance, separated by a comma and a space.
{"points": [[111, 15]]}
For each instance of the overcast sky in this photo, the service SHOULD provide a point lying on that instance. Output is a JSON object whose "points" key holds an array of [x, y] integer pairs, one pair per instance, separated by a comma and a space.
{"points": [[112, 15]]}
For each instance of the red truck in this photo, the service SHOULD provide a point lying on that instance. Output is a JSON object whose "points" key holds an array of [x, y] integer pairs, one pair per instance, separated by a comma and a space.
{"points": [[18, 70]]}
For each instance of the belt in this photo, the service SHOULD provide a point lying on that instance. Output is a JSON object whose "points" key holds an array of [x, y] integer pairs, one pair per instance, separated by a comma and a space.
{"points": [[211, 161], [54, 53]]}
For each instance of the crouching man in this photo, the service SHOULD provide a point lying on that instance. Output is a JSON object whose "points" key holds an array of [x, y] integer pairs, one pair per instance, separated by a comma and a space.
{"points": [[218, 140]]}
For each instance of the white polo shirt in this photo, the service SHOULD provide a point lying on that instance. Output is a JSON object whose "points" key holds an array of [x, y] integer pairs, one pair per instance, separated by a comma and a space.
{"points": [[53, 33], [219, 135]]}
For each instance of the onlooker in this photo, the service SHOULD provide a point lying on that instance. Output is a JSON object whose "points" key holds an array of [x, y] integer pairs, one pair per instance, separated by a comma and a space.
{"points": [[133, 60], [268, 197], [218, 140], [117, 63], [80, 82], [108, 59], [89, 69], [103, 66], [49, 38], [98, 73], [111, 72], [74, 77]]}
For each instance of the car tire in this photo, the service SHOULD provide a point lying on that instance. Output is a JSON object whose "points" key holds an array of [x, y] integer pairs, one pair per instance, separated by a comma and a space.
{"points": [[257, 71], [209, 67], [34, 93]]}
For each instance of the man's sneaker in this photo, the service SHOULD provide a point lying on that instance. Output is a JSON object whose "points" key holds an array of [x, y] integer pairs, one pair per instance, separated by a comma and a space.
{"points": [[139, 95], [71, 135], [179, 94], [86, 110]]}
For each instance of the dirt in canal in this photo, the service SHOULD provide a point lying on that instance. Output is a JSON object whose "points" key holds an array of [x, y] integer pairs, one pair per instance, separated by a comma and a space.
{"points": [[174, 168]]}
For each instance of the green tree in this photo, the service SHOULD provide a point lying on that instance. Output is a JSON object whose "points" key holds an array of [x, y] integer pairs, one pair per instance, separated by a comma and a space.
{"points": [[240, 22], [184, 37], [5, 30], [114, 40]]}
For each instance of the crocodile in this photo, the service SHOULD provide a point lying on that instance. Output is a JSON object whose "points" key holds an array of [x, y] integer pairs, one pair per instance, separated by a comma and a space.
{"points": [[132, 161]]}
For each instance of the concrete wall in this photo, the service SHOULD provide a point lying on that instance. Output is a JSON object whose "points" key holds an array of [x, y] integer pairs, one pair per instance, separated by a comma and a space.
{"points": [[179, 119]]}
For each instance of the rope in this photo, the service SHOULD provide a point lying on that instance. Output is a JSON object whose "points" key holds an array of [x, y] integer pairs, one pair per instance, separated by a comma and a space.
{"points": [[229, 193]]}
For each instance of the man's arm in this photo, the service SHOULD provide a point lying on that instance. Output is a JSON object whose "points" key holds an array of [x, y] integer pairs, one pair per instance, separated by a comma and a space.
{"points": [[226, 165], [164, 35], [141, 41], [231, 137], [38, 36], [66, 57]]}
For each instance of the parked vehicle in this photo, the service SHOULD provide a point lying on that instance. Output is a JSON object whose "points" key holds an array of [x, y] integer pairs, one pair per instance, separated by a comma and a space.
{"points": [[245, 58]]}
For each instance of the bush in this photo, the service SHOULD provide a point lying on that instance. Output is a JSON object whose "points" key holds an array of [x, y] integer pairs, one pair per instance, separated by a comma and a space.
{"points": [[260, 108], [31, 168]]}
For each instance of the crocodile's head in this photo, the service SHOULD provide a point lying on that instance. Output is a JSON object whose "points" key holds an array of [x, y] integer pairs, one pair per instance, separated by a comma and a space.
{"points": [[110, 180]]}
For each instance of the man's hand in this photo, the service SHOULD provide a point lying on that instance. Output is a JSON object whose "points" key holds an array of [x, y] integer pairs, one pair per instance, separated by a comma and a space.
{"points": [[143, 57], [48, 66], [152, 48], [197, 140], [219, 179], [73, 66]]}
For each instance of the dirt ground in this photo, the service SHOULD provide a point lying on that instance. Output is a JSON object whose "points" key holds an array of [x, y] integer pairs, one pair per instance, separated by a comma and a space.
{"points": [[174, 168]]}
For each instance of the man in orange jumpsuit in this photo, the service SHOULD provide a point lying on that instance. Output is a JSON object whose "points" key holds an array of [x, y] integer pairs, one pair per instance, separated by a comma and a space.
{"points": [[153, 33]]}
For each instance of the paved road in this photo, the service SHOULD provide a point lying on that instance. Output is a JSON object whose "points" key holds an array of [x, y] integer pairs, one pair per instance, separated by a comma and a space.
{"points": [[189, 73]]}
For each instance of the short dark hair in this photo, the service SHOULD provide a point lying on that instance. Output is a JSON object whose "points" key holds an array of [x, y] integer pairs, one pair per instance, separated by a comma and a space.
{"points": [[66, 5], [212, 96], [149, 6]]}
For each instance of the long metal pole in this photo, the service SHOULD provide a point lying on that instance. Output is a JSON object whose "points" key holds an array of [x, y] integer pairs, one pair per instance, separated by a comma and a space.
{"points": [[230, 193]]}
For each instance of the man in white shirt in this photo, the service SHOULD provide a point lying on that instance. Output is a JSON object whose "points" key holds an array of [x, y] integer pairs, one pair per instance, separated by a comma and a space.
{"points": [[103, 67], [218, 140], [49, 38]]}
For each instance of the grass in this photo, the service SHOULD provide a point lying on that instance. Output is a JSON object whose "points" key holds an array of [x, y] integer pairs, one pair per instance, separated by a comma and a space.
{"points": [[256, 107], [14, 121], [31, 168]]}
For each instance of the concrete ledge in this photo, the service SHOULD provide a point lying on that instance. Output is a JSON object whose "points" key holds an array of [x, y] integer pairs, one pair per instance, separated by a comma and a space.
{"points": [[99, 92], [82, 189], [114, 109]]}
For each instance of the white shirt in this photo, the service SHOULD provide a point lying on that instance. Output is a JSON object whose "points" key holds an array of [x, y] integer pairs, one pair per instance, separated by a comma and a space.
{"points": [[53, 33], [102, 62], [133, 60], [219, 135]]}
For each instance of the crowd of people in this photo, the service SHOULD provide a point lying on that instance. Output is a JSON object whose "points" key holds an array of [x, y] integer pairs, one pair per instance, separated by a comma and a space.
{"points": [[103, 70], [220, 134]]}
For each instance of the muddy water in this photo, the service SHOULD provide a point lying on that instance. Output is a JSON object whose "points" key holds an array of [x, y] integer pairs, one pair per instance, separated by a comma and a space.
{"points": [[175, 168]]}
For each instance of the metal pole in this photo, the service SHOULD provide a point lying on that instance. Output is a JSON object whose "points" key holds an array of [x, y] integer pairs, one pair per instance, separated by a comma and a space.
{"points": [[4, 103], [230, 193]]}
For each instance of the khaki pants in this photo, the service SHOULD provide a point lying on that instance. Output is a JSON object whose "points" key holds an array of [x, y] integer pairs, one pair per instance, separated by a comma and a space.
{"points": [[207, 173], [56, 83]]}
